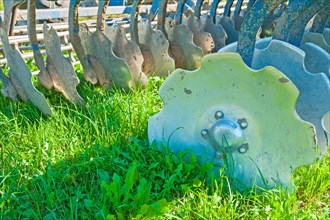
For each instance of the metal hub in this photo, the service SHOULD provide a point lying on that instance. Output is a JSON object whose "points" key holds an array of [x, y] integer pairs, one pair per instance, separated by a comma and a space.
{"points": [[226, 135]]}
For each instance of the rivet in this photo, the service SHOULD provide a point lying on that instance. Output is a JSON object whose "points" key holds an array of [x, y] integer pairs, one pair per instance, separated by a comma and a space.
{"points": [[242, 123], [205, 133], [219, 114], [243, 148]]}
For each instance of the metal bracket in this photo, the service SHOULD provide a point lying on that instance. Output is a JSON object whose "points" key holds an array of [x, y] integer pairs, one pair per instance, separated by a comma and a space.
{"points": [[90, 73], [298, 28], [250, 26]]}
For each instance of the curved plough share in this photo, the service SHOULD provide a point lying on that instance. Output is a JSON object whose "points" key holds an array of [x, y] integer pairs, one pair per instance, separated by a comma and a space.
{"points": [[216, 30], [20, 78], [153, 43], [182, 48], [154, 47], [237, 118], [201, 38], [63, 76], [111, 70], [97, 51], [90, 71], [121, 46], [227, 22], [127, 50]]}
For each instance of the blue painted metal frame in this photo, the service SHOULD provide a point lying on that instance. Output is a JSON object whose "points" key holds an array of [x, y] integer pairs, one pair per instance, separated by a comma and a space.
{"points": [[198, 8], [133, 21], [320, 20], [161, 15], [290, 14], [238, 7], [298, 28], [179, 11], [228, 5], [213, 11], [250, 26], [154, 8]]}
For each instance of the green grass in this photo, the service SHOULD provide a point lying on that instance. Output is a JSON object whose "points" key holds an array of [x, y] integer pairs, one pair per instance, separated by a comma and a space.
{"points": [[94, 162], [1, 5]]}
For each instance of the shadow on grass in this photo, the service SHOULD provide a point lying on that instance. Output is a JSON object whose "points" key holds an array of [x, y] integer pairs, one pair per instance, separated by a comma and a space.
{"points": [[94, 162]]}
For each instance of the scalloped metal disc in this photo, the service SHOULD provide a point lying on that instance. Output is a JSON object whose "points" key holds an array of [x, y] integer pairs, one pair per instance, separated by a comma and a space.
{"points": [[216, 30], [63, 76], [316, 38], [20, 77], [316, 60], [226, 109], [154, 44], [187, 55], [128, 50], [313, 102], [201, 38]]}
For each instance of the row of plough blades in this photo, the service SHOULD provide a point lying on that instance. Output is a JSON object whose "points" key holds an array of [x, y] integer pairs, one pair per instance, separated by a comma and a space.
{"points": [[259, 109], [260, 123]]}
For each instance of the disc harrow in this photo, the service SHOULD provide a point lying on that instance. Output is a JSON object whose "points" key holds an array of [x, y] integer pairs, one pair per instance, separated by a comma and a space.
{"points": [[259, 108]]}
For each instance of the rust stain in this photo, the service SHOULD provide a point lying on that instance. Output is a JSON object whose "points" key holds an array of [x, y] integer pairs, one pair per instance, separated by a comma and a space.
{"points": [[187, 91], [283, 80]]}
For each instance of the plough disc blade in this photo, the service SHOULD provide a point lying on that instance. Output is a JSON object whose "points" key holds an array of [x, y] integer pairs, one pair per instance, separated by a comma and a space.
{"points": [[186, 54], [20, 77], [155, 50], [316, 60], [127, 50], [237, 118], [63, 76], [110, 69], [229, 25], [217, 32], [318, 39], [313, 102], [201, 38]]}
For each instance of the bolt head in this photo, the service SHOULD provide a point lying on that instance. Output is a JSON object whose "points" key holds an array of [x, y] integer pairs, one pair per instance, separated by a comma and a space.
{"points": [[243, 148], [218, 115], [205, 133], [242, 123]]}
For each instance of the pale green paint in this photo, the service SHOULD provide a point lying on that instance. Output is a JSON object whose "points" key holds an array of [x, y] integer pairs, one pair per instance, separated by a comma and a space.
{"points": [[279, 141]]}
